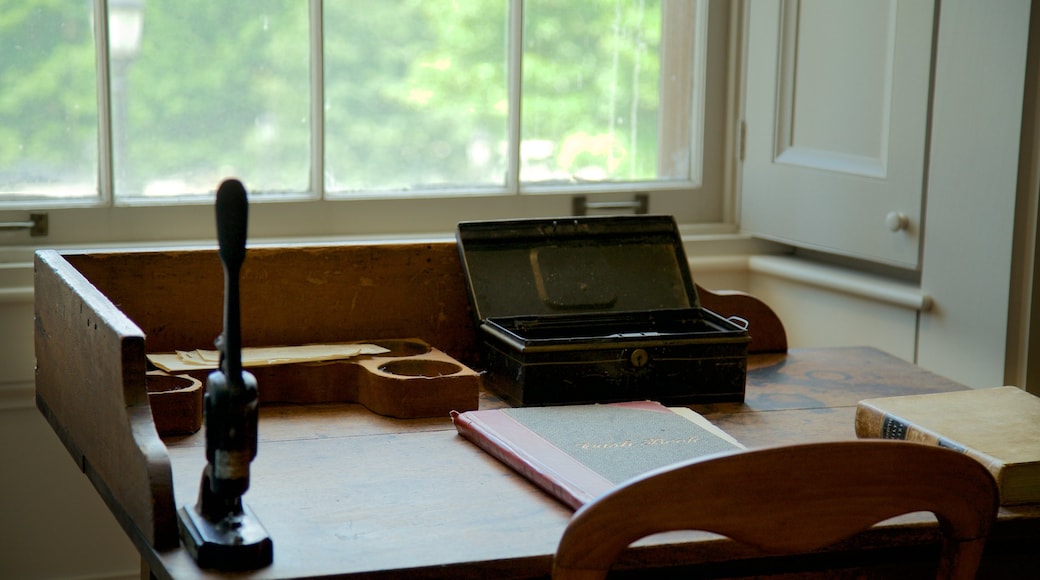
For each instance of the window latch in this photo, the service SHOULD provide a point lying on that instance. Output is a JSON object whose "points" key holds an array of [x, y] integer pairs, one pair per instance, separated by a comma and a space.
{"points": [[37, 225], [640, 204]]}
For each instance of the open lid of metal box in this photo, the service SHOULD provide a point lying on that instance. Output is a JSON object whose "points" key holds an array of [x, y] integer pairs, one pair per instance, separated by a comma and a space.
{"points": [[601, 264]]}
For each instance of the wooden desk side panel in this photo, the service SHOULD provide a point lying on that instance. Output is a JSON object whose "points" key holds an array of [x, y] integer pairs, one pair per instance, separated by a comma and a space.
{"points": [[295, 295], [764, 326], [90, 385]]}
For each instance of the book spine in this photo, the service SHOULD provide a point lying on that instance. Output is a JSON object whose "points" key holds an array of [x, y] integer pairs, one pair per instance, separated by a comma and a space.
{"points": [[485, 438], [874, 423]]}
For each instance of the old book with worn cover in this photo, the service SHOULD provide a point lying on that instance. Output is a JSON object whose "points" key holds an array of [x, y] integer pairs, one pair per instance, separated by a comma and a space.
{"points": [[998, 426], [578, 452]]}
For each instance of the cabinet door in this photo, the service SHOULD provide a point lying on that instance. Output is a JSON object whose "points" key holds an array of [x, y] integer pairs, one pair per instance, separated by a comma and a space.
{"points": [[836, 118]]}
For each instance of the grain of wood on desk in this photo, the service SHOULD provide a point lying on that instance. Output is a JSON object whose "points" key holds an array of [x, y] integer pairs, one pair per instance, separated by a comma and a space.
{"points": [[383, 501], [344, 491], [283, 422]]}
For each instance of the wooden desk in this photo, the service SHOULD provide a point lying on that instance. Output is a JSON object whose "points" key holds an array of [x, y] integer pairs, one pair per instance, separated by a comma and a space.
{"points": [[344, 492], [347, 493]]}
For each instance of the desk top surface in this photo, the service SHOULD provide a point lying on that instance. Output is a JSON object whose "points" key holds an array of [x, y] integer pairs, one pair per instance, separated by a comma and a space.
{"points": [[343, 491]]}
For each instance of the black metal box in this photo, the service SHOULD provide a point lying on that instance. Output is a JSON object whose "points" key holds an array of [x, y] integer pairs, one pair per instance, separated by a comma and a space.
{"points": [[596, 309]]}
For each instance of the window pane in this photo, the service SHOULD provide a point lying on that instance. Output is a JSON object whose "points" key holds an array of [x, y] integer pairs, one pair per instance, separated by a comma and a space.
{"points": [[415, 94], [591, 94], [48, 101], [213, 90]]}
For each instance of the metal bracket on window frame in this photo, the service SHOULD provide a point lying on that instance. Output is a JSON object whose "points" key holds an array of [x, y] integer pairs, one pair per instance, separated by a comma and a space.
{"points": [[640, 204], [37, 225]]}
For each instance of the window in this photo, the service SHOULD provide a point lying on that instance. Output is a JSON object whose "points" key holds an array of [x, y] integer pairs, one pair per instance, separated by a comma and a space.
{"points": [[409, 114]]}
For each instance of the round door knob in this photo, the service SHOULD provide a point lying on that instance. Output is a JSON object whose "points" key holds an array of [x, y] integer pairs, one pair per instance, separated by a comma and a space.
{"points": [[897, 221]]}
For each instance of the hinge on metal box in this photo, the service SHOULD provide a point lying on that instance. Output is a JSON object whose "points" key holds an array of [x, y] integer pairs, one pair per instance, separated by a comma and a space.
{"points": [[37, 225], [640, 204]]}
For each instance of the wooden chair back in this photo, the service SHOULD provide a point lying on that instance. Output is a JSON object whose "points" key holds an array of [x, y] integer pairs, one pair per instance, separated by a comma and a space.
{"points": [[790, 499]]}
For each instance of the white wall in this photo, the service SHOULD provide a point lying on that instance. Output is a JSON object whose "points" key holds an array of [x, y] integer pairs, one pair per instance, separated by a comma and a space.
{"points": [[818, 316], [972, 181], [52, 522]]}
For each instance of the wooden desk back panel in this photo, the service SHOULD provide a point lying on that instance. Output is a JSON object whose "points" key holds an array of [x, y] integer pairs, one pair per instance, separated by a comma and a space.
{"points": [[294, 295], [98, 314]]}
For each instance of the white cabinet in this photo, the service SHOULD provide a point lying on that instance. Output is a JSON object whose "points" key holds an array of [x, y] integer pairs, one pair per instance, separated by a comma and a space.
{"points": [[836, 113], [859, 116]]}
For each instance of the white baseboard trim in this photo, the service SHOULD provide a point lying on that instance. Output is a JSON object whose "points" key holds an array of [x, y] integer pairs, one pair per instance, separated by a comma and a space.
{"points": [[844, 280], [17, 396], [16, 295]]}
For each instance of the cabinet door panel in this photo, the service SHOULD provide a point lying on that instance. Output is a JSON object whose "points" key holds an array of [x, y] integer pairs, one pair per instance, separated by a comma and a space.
{"points": [[836, 113]]}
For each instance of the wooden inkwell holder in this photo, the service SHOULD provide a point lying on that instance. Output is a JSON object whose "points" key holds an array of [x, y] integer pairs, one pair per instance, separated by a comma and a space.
{"points": [[98, 314]]}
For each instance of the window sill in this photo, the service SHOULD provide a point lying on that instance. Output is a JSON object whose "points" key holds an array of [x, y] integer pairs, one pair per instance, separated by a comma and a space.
{"points": [[843, 280]]}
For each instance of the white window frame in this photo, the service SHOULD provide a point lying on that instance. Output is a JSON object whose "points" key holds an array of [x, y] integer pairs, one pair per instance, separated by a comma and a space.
{"points": [[707, 204]]}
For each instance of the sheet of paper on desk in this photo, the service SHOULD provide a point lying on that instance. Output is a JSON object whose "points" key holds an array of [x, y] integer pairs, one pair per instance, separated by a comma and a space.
{"points": [[198, 359]]}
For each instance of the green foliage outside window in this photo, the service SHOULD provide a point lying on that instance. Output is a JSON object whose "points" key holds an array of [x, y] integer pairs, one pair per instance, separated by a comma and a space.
{"points": [[416, 94]]}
